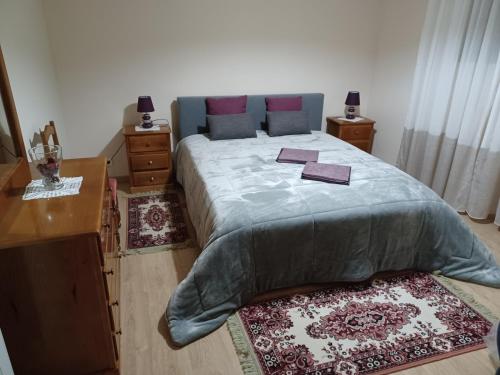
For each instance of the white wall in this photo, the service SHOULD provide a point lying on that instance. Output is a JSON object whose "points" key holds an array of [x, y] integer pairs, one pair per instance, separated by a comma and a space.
{"points": [[400, 23], [27, 54], [109, 52], [93, 58]]}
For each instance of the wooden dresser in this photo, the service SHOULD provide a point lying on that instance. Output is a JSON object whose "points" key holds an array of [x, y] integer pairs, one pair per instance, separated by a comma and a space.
{"points": [[359, 134], [60, 277], [149, 158]]}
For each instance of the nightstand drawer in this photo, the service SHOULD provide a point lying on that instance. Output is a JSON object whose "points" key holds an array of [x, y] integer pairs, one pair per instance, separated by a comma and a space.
{"points": [[356, 132], [148, 161], [152, 142], [362, 145], [151, 177]]}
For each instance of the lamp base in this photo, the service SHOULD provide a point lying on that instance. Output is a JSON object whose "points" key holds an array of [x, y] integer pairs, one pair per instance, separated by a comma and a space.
{"points": [[351, 111], [146, 121]]}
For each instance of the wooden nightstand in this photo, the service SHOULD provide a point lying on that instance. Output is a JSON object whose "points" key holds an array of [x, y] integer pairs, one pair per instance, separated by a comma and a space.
{"points": [[359, 134], [149, 158]]}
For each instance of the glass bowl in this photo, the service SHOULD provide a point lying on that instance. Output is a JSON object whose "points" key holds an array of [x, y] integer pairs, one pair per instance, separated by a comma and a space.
{"points": [[48, 162]]}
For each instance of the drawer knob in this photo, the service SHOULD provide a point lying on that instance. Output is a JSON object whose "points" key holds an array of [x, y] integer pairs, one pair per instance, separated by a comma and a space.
{"points": [[107, 226], [118, 332], [110, 272], [356, 131], [151, 179], [150, 162], [115, 303]]}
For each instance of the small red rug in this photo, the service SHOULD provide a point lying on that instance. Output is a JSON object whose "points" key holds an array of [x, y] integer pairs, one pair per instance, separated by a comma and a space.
{"points": [[375, 327], [155, 223]]}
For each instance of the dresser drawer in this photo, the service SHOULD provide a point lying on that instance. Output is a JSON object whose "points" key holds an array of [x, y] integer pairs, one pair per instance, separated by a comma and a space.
{"points": [[116, 343], [151, 142], [111, 273], [356, 132], [107, 242], [151, 177], [107, 223], [149, 161], [112, 279]]}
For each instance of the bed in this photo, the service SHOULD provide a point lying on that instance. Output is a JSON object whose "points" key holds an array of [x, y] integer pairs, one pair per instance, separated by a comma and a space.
{"points": [[262, 227]]}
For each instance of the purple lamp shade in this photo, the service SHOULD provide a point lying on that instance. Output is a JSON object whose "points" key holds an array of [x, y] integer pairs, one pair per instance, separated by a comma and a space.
{"points": [[145, 104], [352, 98]]}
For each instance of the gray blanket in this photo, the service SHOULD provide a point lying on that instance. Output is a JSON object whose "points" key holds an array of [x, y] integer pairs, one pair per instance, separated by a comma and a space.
{"points": [[262, 227]]}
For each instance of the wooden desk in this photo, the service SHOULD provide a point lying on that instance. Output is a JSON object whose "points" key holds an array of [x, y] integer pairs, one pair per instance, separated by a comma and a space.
{"points": [[59, 277]]}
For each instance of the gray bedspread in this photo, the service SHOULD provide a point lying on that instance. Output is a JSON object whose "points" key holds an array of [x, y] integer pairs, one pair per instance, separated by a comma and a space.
{"points": [[262, 227]]}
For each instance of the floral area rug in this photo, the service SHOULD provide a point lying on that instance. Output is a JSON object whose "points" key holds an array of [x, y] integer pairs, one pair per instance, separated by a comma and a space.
{"points": [[155, 222], [375, 327]]}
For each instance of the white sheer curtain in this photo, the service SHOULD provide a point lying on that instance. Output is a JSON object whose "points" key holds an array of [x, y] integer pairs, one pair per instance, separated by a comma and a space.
{"points": [[451, 140]]}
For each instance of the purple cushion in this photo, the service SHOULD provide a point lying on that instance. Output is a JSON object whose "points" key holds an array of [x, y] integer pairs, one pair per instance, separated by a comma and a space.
{"points": [[289, 103], [226, 106]]}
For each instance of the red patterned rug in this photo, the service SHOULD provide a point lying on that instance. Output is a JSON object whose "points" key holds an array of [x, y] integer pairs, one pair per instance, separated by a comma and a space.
{"points": [[375, 327], [155, 223]]}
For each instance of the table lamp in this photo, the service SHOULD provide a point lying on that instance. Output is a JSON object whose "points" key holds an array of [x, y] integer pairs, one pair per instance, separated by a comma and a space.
{"points": [[145, 105], [352, 105]]}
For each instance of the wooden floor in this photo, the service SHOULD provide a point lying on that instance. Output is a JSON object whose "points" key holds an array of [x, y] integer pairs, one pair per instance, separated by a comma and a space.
{"points": [[148, 281]]}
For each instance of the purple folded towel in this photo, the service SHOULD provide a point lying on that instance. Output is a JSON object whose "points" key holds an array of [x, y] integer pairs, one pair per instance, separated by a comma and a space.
{"points": [[295, 155], [333, 173]]}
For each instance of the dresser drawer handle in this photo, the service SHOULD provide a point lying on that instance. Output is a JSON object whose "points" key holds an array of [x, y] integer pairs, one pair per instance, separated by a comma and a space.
{"points": [[150, 162], [356, 132], [115, 303], [148, 144], [151, 179], [107, 226], [110, 272], [118, 332]]}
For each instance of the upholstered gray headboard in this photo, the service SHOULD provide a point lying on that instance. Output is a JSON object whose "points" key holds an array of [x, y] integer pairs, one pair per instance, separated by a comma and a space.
{"points": [[192, 111]]}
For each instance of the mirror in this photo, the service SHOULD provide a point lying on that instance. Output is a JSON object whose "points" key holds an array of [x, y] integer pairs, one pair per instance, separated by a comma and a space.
{"points": [[7, 149], [12, 150]]}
